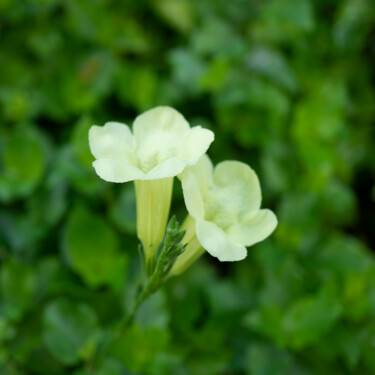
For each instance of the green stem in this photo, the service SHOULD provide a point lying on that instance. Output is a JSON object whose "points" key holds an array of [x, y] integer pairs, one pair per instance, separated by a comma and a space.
{"points": [[152, 286], [125, 322], [128, 319], [170, 250]]}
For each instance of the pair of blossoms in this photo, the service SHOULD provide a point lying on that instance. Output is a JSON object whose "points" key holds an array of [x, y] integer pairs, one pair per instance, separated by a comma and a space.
{"points": [[223, 203]]}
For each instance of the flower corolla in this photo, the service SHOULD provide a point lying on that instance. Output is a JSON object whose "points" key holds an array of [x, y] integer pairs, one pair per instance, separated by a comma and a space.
{"points": [[224, 207]]}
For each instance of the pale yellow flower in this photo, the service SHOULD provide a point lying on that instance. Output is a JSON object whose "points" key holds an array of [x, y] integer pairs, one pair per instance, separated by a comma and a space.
{"points": [[224, 207], [161, 146]]}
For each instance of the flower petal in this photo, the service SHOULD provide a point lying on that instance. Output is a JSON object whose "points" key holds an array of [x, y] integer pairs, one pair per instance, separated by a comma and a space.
{"points": [[111, 141], [163, 119], [202, 171], [241, 184], [168, 168], [158, 134], [195, 144], [253, 228], [117, 171], [192, 194], [217, 243]]}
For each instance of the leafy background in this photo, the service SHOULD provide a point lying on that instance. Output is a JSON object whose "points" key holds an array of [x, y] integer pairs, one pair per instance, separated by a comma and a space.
{"points": [[287, 86]]}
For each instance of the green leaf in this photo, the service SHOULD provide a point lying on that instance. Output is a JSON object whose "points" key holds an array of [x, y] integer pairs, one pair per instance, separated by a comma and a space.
{"points": [[20, 232], [47, 270], [139, 348], [18, 288], [216, 75], [273, 65], [23, 161], [218, 38], [353, 24], [20, 104], [268, 321], [356, 296], [123, 211], [68, 168], [338, 203], [108, 367], [309, 318], [70, 330], [80, 141], [92, 248], [262, 359], [153, 313], [225, 297], [188, 70], [318, 126], [28, 350], [177, 13], [285, 20], [344, 254], [129, 81], [257, 107], [48, 204]]}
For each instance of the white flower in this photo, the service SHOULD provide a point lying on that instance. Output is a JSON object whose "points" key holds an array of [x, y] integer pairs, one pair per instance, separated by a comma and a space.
{"points": [[225, 205], [161, 146]]}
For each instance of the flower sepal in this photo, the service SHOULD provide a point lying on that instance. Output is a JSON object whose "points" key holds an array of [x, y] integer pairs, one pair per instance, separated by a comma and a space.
{"points": [[172, 248]]}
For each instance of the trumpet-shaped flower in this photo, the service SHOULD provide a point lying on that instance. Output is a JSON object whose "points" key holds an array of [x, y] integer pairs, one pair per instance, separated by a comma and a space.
{"points": [[161, 146], [225, 215]]}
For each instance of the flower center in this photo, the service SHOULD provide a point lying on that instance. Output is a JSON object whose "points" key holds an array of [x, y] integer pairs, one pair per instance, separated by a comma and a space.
{"points": [[155, 149], [218, 207]]}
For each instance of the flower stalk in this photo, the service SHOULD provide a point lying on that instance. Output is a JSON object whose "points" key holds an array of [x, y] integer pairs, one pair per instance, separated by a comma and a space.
{"points": [[172, 248]]}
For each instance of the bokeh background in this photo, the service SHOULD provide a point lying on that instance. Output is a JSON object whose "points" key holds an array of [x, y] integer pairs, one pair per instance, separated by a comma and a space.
{"points": [[287, 86]]}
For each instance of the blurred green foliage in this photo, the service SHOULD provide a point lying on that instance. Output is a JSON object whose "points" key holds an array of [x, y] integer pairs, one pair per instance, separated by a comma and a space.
{"points": [[287, 86]]}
